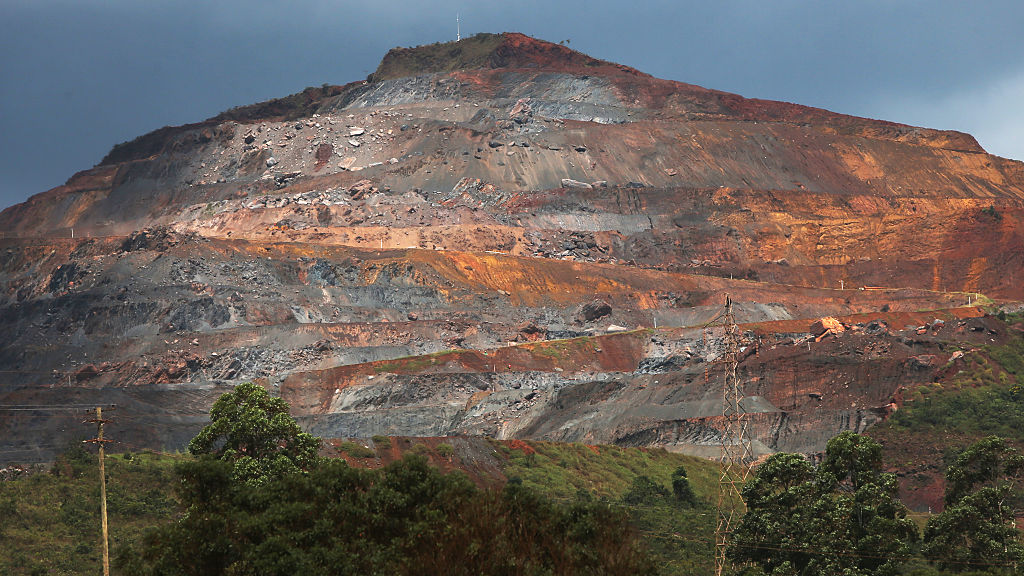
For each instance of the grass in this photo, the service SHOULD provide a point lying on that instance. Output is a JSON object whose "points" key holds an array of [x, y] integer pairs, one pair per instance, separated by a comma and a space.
{"points": [[938, 420], [51, 522], [472, 52], [356, 450], [985, 398], [413, 364], [681, 537], [553, 349], [561, 470]]}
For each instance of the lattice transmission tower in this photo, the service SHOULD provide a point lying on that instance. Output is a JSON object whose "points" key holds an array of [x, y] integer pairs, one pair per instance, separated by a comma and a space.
{"points": [[737, 454]]}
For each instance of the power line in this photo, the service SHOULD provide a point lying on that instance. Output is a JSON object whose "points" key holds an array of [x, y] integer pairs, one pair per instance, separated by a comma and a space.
{"points": [[44, 407]]}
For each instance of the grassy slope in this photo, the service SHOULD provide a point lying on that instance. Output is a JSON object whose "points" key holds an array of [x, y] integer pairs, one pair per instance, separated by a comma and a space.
{"points": [[680, 537], [985, 397], [51, 520], [472, 52]]}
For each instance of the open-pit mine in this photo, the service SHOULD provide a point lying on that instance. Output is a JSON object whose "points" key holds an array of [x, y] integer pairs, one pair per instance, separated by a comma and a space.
{"points": [[503, 237]]}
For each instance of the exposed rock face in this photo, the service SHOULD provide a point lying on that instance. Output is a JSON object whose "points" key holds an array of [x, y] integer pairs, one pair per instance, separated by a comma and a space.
{"points": [[594, 310], [369, 251]]}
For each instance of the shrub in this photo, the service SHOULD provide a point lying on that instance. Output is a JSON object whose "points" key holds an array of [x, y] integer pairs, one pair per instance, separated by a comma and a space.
{"points": [[356, 450], [681, 487], [644, 491]]}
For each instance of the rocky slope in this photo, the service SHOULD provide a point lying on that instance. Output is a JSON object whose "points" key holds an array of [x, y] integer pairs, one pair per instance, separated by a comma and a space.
{"points": [[501, 236]]}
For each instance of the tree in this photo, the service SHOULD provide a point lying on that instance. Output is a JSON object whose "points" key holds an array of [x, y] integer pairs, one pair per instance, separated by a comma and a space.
{"points": [[842, 517], [255, 433], [644, 491], [259, 501], [681, 487], [976, 529]]}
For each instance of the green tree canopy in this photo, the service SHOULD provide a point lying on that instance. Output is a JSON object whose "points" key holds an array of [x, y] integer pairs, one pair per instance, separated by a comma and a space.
{"points": [[842, 517], [255, 433], [681, 487], [259, 502], [977, 527], [405, 519]]}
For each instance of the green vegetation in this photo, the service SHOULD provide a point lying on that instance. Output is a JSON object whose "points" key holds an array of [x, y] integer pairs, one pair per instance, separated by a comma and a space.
{"points": [[257, 502], [472, 52], [977, 525], [841, 517], [413, 364], [681, 487], [299, 105], [992, 212], [407, 518], [356, 450], [986, 398], [562, 470], [564, 348], [255, 433], [292, 107], [51, 522], [445, 451], [252, 500], [679, 532]]}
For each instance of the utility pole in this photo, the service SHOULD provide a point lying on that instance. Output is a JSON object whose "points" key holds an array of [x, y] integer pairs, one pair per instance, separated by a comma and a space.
{"points": [[100, 441], [458, 28], [737, 454]]}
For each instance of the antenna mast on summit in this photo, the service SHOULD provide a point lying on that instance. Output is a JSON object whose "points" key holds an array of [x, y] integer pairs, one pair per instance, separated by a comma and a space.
{"points": [[458, 28]]}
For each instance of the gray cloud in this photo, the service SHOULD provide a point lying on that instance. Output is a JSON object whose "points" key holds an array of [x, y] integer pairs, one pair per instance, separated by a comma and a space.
{"points": [[77, 77]]}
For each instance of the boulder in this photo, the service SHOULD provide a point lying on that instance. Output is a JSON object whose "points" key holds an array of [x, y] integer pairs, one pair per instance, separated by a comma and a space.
{"points": [[570, 183], [922, 361], [360, 189], [594, 310], [530, 332], [827, 325]]}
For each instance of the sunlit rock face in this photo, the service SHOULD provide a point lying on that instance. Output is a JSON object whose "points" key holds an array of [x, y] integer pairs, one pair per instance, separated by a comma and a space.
{"points": [[468, 241]]}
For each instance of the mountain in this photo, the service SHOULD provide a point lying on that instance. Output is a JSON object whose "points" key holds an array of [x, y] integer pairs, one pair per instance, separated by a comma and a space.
{"points": [[501, 236]]}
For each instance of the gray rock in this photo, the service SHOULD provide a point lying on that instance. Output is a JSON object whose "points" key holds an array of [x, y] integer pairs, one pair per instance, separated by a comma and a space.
{"points": [[570, 183], [594, 310]]}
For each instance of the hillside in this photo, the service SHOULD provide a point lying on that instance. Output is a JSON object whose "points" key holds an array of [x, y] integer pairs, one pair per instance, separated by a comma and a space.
{"points": [[504, 237], [53, 523]]}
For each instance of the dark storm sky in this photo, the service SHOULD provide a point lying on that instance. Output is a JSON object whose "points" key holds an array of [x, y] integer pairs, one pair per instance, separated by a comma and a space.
{"points": [[78, 76]]}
